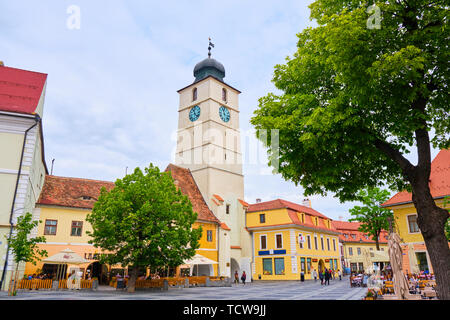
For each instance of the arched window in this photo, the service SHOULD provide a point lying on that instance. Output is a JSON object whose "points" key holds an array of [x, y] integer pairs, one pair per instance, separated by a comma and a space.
{"points": [[224, 94], [194, 94]]}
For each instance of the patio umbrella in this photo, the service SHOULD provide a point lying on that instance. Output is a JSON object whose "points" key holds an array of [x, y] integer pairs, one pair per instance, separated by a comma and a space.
{"points": [[65, 257], [199, 259], [395, 256], [412, 259]]}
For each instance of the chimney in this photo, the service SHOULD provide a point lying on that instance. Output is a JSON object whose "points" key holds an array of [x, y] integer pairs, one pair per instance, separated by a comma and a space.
{"points": [[258, 200], [306, 202]]}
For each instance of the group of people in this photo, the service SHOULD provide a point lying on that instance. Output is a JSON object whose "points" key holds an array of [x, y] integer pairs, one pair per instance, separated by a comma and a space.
{"points": [[326, 275], [236, 277], [42, 276]]}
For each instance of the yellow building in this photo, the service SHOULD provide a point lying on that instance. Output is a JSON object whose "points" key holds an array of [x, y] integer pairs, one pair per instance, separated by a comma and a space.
{"points": [[65, 203], [22, 161], [288, 239], [355, 242], [415, 254]]}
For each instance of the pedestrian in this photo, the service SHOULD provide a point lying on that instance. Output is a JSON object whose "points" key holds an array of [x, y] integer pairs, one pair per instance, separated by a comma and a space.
{"points": [[327, 277], [314, 274], [340, 274], [321, 276], [243, 277], [236, 277]]}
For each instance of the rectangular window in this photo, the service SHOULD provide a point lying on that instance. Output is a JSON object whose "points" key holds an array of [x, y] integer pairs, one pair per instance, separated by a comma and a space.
{"points": [[334, 244], [50, 227], [328, 244], [262, 218], [209, 235], [263, 242], [315, 243], [279, 241], [227, 209], [77, 227], [308, 265], [279, 266], [302, 264], [353, 267], [267, 267], [300, 240], [321, 243], [360, 266], [359, 251], [331, 263], [309, 241], [350, 251], [412, 223]]}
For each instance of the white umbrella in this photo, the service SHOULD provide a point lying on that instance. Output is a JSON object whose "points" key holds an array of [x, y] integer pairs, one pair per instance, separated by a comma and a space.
{"points": [[66, 257], [199, 259]]}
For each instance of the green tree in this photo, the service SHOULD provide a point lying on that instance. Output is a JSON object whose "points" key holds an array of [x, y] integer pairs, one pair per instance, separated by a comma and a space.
{"points": [[25, 249], [373, 218], [144, 221], [355, 99], [447, 226]]}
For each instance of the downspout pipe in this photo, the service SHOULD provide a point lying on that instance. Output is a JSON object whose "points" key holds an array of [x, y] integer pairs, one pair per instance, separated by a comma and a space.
{"points": [[37, 120]]}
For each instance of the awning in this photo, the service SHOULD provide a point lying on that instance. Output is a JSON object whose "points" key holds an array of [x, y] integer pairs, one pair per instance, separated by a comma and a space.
{"points": [[199, 259], [66, 256]]}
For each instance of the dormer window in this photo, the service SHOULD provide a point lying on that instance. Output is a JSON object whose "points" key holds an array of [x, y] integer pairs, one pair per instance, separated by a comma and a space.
{"points": [[194, 94], [87, 198], [224, 94]]}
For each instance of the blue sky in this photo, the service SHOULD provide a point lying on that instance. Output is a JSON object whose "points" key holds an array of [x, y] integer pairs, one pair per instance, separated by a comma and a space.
{"points": [[111, 99]]}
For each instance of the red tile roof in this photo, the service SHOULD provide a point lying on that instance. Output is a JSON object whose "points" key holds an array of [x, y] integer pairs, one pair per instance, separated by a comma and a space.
{"points": [[20, 90], [224, 226], [353, 235], [68, 192], [293, 209], [439, 180], [189, 187], [244, 204], [279, 204]]}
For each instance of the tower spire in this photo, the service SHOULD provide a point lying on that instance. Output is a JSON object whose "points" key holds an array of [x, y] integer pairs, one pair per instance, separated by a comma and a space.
{"points": [[209, 47]]}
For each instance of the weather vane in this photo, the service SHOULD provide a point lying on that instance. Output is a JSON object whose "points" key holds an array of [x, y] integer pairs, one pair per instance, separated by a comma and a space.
{"points": [[209, 47]]}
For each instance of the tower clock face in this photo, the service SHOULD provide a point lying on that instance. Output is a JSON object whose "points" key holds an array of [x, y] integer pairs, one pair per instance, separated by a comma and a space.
{"points": [[224, 114], [194, 114]]}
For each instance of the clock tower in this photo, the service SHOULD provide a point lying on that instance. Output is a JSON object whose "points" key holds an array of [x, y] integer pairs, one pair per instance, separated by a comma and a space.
{"points": [[208, 144]]}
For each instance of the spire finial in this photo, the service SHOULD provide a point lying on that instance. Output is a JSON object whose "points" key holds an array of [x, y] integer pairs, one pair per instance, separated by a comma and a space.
{"points": [[209, 47]]}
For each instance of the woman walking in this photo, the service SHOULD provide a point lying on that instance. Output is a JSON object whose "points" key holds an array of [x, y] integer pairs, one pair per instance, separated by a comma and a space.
{"points": [[243, 277]]}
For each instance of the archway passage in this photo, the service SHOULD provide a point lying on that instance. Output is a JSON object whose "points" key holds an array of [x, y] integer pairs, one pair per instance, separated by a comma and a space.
{"points": [[203, 270], [235, 267]]}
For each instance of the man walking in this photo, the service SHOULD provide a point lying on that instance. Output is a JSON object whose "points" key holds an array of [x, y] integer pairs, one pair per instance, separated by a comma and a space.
{"points": [[321, 276], [243, 277], [340, 274], [314, 274], [236, 277], [327, 277]]}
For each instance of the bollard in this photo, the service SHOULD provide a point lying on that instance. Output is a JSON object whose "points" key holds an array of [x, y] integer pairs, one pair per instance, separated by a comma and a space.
{"points": [[186, 283], [208, 282], [165, 285]]}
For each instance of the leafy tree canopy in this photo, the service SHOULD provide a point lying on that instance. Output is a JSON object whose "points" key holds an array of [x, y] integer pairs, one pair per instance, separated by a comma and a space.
{"points": [[25, 248], [355, 98], [373, 218], [144, 221]]}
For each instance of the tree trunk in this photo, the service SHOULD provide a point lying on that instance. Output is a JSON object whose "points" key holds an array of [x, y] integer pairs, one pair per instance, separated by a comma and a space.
{"points": [[132, 280], [431, 220]]}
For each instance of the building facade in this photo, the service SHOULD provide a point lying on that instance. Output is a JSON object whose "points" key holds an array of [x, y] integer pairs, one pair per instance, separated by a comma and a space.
{"points": [[356, 244], [415, 254], [22, 162], [289, 239]]}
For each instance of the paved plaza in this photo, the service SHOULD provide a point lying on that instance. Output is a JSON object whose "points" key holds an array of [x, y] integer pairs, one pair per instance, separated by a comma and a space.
{"points": [[259, 290]]}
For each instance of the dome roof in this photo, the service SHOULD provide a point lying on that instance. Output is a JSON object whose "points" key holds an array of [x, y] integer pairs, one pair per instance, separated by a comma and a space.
{"points": [[209, 67]]}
